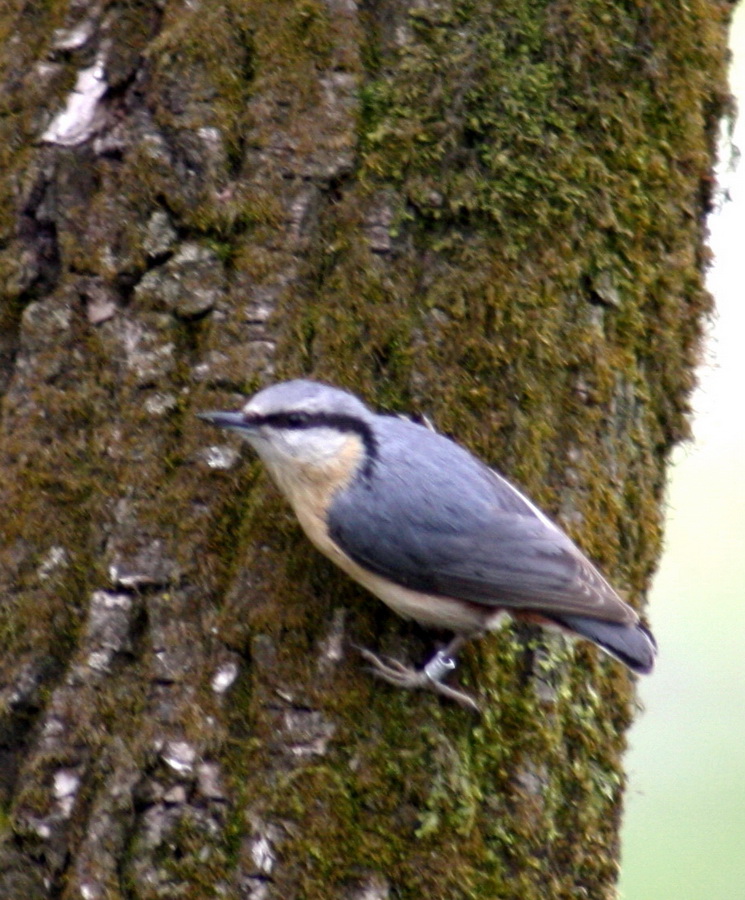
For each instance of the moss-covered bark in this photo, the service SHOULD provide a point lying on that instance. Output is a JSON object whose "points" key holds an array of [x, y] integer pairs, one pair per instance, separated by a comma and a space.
{"points": [[491, 214]]}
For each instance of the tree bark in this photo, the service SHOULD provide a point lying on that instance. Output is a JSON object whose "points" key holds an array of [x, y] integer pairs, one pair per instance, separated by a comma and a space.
{"points": [[490, 214]]}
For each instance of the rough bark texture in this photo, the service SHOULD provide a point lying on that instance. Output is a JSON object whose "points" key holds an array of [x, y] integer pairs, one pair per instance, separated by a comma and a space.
{"points": [[489, 213]]}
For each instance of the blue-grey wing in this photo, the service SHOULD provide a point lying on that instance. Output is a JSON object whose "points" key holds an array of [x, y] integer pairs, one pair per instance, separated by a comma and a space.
{"points": [[433, 518]]}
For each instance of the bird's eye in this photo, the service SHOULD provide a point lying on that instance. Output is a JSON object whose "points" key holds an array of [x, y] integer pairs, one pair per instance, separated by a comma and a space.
{"points": [[296, 419]]}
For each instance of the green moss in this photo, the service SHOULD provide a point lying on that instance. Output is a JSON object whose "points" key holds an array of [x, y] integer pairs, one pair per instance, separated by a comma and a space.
{"points": [[545, 179], [543, 167]]}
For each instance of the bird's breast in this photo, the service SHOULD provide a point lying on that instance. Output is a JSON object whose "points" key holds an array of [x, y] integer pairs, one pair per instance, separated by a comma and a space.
{"points": [[311, 488]]}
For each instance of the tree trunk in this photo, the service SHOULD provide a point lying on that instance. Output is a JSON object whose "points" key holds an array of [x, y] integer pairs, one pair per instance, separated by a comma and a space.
{"points": [[490, 214]]}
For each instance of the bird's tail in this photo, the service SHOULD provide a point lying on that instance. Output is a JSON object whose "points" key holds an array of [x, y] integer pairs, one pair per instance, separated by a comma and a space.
{"points": [[633, 645]]}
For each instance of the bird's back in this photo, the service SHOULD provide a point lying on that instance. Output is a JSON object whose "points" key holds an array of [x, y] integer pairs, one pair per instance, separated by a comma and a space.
{"points": [[435, 518]]}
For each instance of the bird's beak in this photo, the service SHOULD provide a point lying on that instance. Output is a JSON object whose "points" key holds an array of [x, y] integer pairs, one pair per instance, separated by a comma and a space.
{"points": [[235, 421]]}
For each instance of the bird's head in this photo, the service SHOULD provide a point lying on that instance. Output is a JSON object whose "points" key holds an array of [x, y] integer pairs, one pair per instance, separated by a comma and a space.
{"points": [[300, 424]]}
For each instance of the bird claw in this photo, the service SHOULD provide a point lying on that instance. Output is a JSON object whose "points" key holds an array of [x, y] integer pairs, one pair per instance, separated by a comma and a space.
{"points": [[428, 678]]}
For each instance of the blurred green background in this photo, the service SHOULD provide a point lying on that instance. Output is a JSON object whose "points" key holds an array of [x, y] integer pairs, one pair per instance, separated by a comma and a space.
{"points": [[684, 831]]}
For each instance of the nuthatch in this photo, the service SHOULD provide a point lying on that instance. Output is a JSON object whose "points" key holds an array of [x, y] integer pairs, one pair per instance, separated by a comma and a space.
{"points": [[431, 530]]}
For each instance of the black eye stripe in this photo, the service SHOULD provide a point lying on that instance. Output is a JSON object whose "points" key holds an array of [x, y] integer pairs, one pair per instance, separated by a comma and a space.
{"points": [[285, 420], [304, 419]]}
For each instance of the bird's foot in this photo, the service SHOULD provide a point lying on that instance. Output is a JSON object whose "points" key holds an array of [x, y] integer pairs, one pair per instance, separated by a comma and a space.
{"points": [[429, 677]]}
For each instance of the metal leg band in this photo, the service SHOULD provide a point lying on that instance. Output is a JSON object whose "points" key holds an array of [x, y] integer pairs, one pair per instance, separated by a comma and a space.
{"points": [[439, 666]]}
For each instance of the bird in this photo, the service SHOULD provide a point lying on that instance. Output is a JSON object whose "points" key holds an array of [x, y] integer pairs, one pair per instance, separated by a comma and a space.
{"points": [[431, 530]]}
